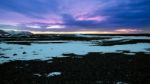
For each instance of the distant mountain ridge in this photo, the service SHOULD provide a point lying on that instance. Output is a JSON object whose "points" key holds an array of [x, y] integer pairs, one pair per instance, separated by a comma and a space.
{"points": [[2, 32], [15, 33]]}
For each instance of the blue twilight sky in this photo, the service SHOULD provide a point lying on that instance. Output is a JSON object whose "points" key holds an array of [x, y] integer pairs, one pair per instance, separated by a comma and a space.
{"points": [[104, 16]]}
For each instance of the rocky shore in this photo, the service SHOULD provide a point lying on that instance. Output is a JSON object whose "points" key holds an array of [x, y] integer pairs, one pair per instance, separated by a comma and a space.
{"points": [[93, 68]]}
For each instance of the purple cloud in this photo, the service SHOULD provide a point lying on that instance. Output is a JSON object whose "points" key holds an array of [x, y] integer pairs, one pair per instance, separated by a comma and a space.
{"points": [[73, 15]]}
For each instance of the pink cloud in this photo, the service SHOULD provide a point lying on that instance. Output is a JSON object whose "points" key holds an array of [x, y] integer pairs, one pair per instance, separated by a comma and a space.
{"points": [[33, 26], [128, 30], [95, 18], [17, 18], [56, 27]]}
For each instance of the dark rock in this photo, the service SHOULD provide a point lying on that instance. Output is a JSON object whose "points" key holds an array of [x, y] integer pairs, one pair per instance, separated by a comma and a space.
{"points": [[14, 54], [24, 52]]}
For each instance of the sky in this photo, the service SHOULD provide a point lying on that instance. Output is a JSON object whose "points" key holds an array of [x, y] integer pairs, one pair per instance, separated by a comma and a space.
{"points": [[89, 16]]}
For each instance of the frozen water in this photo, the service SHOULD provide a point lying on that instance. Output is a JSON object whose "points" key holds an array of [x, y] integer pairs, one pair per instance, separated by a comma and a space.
{"points": [[115, 37], [45, 51]]}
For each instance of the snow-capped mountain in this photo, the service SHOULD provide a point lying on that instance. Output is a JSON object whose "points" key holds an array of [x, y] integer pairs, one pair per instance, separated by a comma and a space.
{"points": [[15, 33], [3, 33]]}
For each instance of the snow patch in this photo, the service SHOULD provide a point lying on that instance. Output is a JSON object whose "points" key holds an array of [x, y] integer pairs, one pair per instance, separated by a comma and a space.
{"points": [[54, 74]]}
